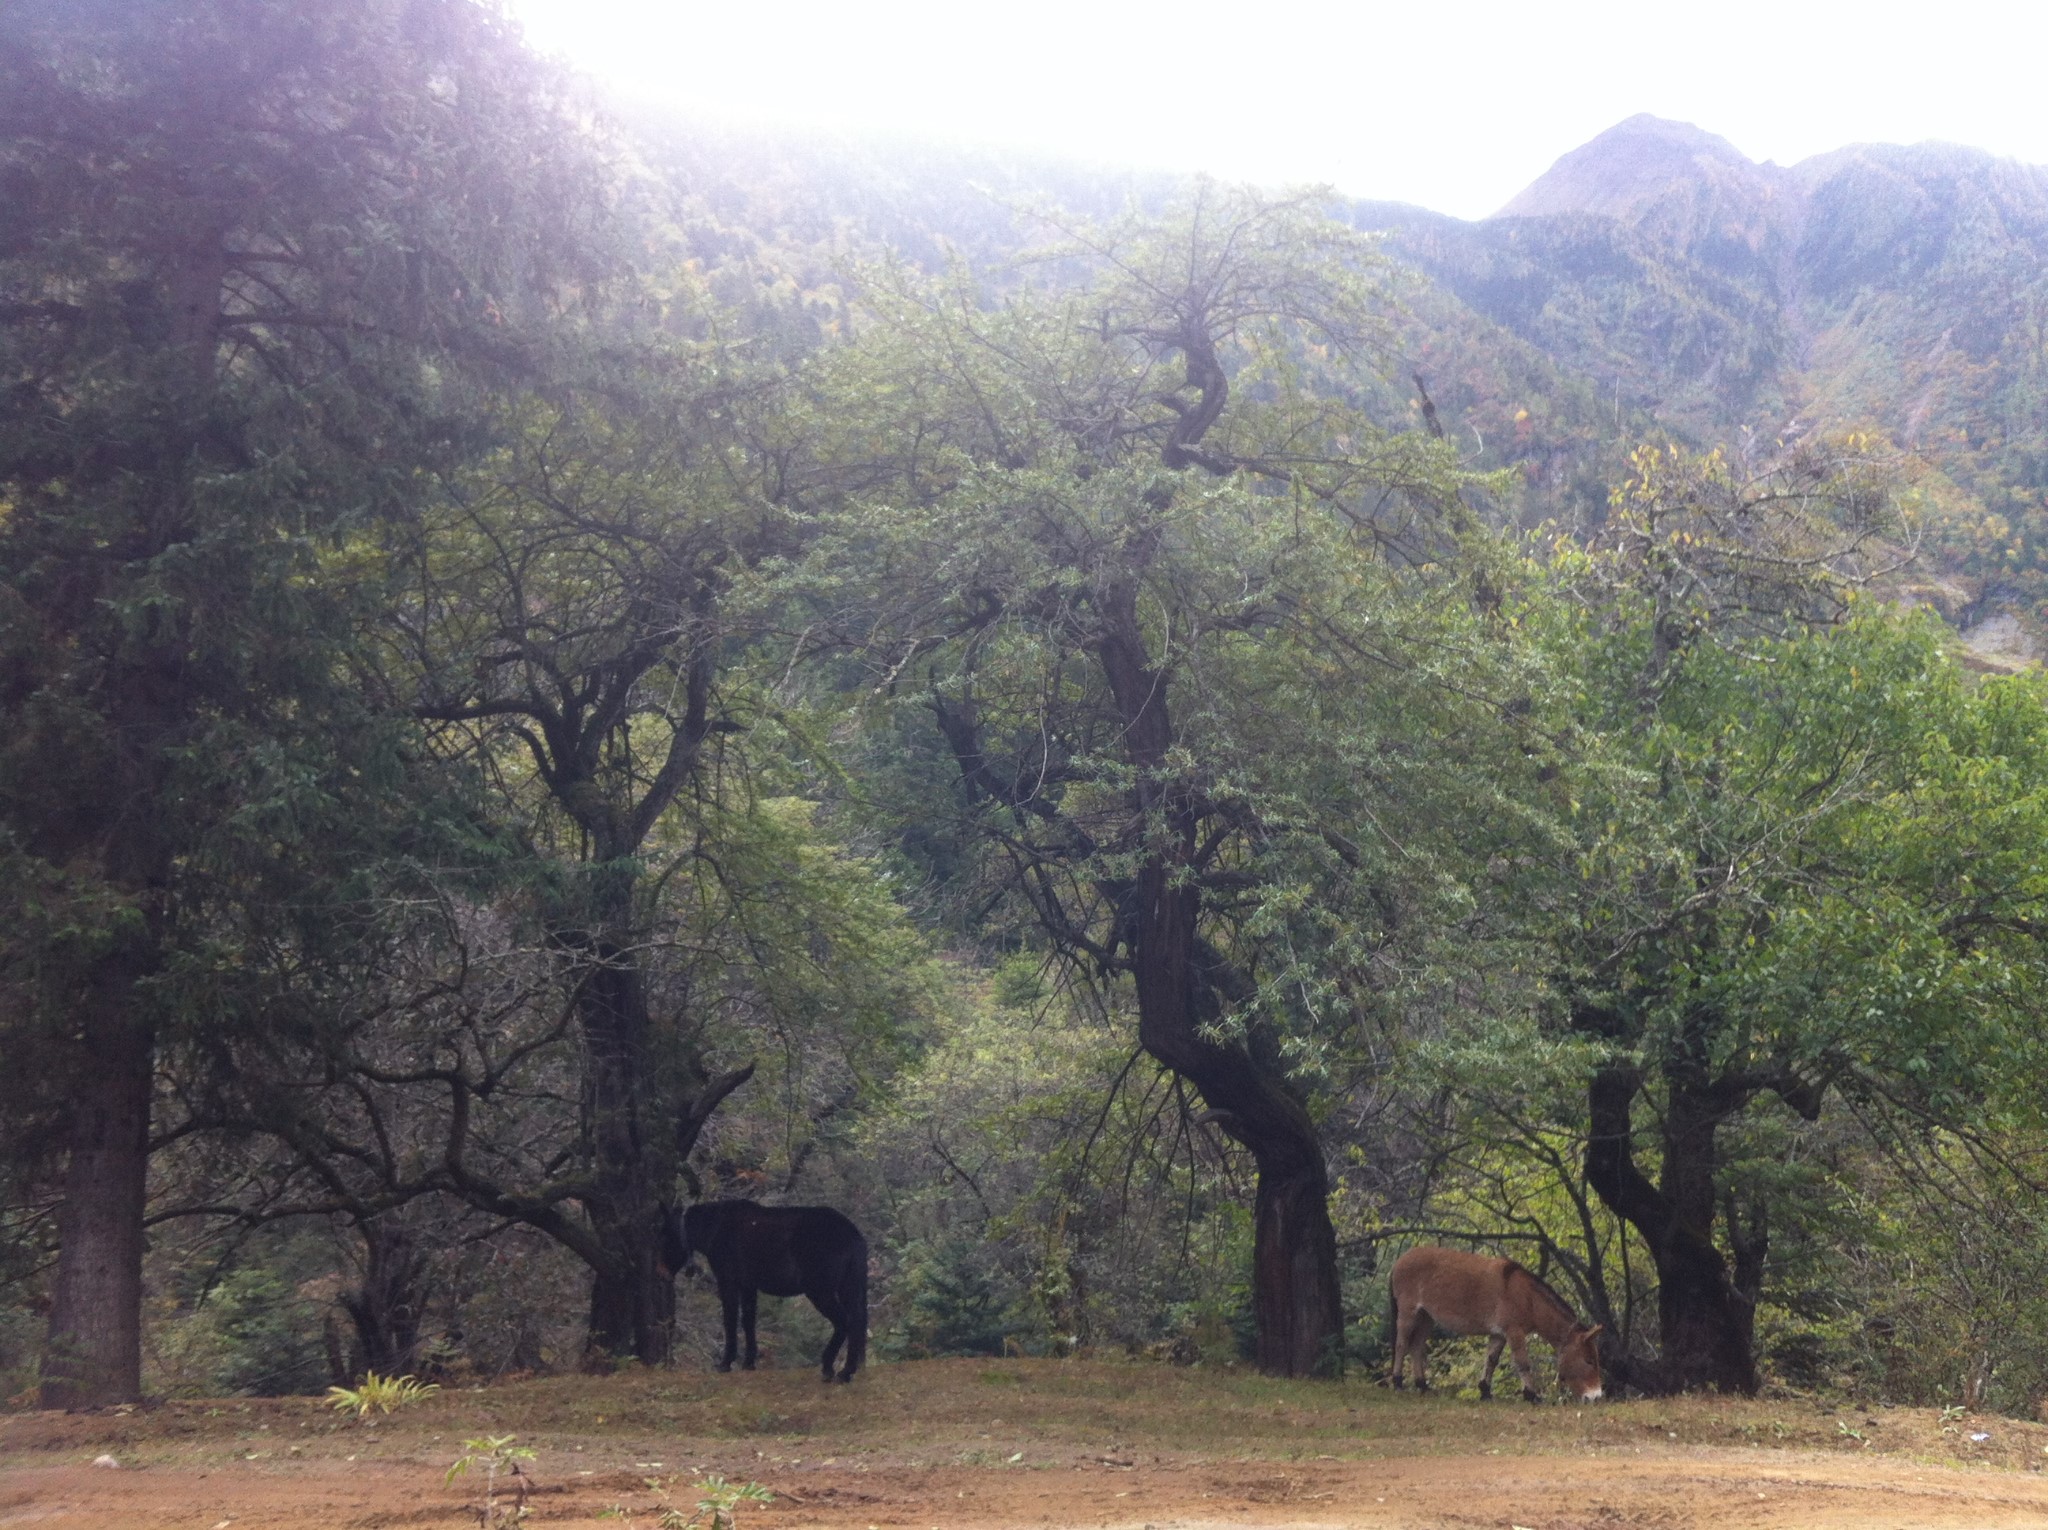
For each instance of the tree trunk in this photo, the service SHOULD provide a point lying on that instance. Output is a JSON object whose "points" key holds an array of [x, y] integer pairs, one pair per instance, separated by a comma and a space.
{"points": [[645, 1137], [632, 1310], [1297, 1300], [633, 1164], [1706, 1328], [387, 1307], [646, 1099], [94, 1355]]}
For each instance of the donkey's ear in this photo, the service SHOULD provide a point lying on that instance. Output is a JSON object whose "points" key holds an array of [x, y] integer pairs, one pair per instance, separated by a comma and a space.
{"points": [[1597, 1328]]}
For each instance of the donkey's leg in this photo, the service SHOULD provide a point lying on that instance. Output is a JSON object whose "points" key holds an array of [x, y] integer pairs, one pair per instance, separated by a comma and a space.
{"points": [[834, 1312], [1492, 1359], [1420, 1325], [832, 1347], [853, 1294], [749, 1303], [1520, 1342], [1400, 1351], [729, 1307]]}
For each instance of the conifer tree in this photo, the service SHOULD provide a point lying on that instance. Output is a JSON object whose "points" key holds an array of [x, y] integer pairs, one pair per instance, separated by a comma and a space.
{"points": [[253, 249]]}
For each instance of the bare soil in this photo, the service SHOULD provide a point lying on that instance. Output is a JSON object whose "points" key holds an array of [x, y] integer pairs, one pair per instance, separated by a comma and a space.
{"points": [[1017, 1443]]}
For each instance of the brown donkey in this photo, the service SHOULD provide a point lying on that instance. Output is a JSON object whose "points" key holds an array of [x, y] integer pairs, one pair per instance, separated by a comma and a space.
{"points": [[1471, 1293]]}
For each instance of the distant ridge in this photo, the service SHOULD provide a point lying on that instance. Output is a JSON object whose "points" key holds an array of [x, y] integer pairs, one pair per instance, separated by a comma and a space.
{"points": [[1690, 188], [1659, 282]]}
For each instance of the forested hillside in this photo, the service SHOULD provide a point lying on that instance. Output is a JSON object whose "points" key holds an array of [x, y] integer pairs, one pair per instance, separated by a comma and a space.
{"points": [[1156, 744], [1690, 291]]}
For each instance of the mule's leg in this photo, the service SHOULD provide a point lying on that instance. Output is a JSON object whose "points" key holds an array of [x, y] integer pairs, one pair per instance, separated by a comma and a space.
{"points": [[1492, 1359], [729, 1306], [749, 1303], [1520, 1342], [1400, 1350]]}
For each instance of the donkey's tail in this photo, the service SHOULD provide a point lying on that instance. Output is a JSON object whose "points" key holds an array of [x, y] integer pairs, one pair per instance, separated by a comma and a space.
{"points": [[854, 1288]]}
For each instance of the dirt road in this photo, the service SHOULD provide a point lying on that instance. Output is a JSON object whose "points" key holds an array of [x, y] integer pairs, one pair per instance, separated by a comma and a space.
{"points": [[1671, 1490]]}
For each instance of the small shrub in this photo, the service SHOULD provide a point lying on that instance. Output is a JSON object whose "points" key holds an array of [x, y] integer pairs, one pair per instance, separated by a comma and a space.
{"points": [[269, 1338], [497, 1456], [954, 1306]]}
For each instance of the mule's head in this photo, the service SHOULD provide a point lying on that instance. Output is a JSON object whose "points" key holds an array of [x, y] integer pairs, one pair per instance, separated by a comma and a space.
{"points": [[1578, 1364], [676, 1251]]}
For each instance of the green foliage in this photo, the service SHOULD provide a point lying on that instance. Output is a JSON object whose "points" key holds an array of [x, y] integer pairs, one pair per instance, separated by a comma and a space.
{"points": [[251, 1333], [1263, 605], [20, 1361], [461, 636], [950, 1302], [1046, 1195]]}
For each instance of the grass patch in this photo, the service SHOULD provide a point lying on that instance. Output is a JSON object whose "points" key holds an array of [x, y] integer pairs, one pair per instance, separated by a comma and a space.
{"points": [[969, 1412]]}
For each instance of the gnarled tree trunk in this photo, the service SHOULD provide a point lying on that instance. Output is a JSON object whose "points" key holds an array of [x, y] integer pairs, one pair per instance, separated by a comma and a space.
{"points": [[1297, 1300], [646, 1099], [633, 1162], [387, 1306], [645, 1104], [1181, 984], [1706, 1325]]}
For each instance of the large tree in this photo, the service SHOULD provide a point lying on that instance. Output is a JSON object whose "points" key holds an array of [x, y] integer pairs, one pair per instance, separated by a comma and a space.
{"points": [[1182, 619], [564, 623], [1801, 869], [252, 250]]}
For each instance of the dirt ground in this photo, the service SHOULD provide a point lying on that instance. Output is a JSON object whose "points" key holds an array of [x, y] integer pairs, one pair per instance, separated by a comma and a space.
{"points": [[1029, 1443]]}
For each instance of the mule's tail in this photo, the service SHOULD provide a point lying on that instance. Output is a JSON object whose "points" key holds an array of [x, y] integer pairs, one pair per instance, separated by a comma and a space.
{"points": [[854, 1285]]}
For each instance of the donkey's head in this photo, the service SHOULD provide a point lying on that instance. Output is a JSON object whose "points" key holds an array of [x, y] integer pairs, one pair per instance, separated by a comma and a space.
{"points": [[1578, 1363], [676, 1250]]}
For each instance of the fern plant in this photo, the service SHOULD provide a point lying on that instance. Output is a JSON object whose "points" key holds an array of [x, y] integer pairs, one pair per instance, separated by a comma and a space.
{"points": [[716, 1501], [379, 1394]]}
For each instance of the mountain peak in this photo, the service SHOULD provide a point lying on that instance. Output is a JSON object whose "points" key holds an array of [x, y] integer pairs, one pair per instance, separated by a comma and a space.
{"points": [[1648, 128], [1633, 164]]}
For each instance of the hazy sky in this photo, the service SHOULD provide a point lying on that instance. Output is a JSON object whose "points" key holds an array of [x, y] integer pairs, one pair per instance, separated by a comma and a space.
{"points": [[1452, 106]]}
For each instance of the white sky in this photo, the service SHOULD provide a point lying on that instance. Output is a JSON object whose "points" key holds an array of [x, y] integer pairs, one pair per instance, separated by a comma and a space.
{"points": [[1453, 106]]}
